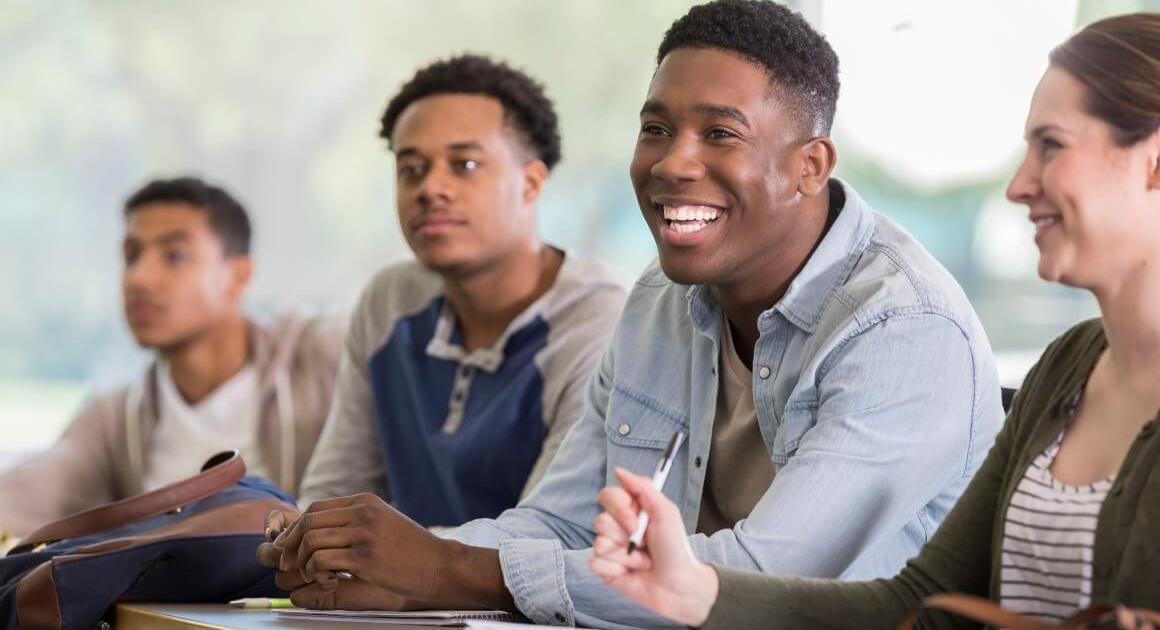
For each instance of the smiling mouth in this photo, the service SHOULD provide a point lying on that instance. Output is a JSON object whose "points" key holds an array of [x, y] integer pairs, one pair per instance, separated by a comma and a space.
{"points": [[686, 219]]}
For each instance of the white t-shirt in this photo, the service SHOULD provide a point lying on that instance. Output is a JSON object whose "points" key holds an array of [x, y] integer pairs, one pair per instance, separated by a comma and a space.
{"points": [[187, 436]]}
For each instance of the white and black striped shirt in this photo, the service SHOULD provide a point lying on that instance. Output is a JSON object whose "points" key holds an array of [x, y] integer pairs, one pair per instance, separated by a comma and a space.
{"points": [[1048, 537]]}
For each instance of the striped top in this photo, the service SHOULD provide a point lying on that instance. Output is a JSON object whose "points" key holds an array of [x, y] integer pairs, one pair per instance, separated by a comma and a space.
{"points": [[1048, 537]]}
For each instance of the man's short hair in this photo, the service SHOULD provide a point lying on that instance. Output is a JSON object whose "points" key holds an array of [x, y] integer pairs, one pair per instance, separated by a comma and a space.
{"points": [[525, 106], [798, 59], [227, 217]]}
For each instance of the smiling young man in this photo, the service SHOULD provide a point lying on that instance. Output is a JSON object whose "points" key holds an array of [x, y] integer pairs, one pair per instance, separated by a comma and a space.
{"points": [[465, 368], [837, 389], [219, 381]]}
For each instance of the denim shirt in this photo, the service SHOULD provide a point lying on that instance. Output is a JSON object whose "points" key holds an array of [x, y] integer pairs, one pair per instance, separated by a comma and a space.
{"points": [[876, 395]]}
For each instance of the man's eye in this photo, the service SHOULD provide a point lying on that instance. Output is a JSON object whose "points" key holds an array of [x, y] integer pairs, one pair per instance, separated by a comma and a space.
{"points": [[467, 165], [410, 171], [175, 257], [718, 133], [653, 129]]}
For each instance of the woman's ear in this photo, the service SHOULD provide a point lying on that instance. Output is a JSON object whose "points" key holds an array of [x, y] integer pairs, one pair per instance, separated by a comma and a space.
{"points": [[1154, 161]]}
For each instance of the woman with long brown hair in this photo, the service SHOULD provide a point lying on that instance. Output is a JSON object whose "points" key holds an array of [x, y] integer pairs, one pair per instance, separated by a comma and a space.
{"points": [[1065, 512]]}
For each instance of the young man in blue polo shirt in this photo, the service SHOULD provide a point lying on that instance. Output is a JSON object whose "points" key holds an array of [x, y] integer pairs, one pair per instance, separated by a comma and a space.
{"points": [[464, 369]]}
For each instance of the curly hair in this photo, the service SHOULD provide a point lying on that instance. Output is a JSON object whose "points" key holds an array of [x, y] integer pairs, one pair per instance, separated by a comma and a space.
{"points": [[798, 59], [227, 217], [525, 106]]}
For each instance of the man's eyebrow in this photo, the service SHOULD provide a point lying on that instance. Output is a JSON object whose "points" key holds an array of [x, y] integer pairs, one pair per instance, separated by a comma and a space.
{"points": [[653, 106], [725, 111], [166, 238], [469, 145], [459, 145]]}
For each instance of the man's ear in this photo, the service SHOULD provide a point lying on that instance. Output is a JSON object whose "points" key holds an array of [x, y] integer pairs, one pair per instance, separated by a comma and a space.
{"points": [[535, 176], [241, 270], [818, 159]]}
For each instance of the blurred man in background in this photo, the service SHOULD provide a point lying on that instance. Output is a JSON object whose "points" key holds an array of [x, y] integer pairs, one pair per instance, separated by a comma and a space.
{"points": [[219, 380]]}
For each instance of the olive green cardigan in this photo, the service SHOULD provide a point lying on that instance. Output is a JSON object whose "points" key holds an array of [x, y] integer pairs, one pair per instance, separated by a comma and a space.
{"points": [[963, 556]]}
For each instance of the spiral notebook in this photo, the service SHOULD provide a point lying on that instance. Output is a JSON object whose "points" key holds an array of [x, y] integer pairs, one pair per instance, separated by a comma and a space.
{"points": [[444, 618]]}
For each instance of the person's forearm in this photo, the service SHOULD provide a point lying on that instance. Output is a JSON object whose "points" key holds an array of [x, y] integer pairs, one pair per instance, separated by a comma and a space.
{"points": [[471, 577]]}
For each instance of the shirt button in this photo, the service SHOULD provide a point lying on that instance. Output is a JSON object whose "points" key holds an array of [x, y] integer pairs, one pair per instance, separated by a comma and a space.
{"points": [[624, 429], [697, 461], [763, 372]]}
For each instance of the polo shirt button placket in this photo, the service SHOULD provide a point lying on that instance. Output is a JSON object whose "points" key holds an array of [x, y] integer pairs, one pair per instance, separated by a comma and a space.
{"points": [[763, 372]]}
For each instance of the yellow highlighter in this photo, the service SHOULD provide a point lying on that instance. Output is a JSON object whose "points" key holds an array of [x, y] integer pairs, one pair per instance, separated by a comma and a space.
{"points": [[261, 602]]}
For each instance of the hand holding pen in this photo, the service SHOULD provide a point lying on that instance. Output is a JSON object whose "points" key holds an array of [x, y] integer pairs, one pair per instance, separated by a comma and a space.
{"points": [[662, 574]]}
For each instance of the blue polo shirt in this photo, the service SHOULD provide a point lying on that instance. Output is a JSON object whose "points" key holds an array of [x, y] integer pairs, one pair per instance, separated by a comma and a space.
{"points": [[449, 435]]}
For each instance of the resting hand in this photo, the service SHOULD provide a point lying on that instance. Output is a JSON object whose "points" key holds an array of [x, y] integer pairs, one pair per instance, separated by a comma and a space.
{"points": [[370, 539], [661, 574]]}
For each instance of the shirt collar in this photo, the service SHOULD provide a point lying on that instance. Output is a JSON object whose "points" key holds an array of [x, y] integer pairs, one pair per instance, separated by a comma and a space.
{"points": [[827, 268], [446, 343], [831, 263]]}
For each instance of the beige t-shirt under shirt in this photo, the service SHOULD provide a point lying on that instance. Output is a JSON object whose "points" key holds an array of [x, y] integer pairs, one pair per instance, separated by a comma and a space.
{"points": [[739, 470]]}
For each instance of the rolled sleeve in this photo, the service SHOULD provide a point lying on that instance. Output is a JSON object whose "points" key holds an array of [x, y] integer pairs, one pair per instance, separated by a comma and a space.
{"points": [[533, 572]]}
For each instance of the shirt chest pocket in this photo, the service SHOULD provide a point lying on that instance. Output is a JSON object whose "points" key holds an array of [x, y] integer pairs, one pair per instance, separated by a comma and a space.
{"points": [[638, 430]]}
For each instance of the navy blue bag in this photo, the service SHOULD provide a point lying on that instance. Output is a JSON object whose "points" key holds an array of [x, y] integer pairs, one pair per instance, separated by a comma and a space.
{"points": [[191, 541]]}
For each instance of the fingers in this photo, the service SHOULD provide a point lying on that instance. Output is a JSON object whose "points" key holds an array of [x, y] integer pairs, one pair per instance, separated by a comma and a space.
{"points": [[617, 552], [269, 555], [662, 512], [314, 596], [316, 540], [1131, 619], [289, 580], [276, 521], [349, 595], [607, 527], [618, 504], [291, 539], [322, 564], [337, 502], [607, 570]]}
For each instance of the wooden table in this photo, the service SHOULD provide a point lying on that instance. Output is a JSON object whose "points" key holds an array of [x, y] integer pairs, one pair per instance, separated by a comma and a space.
{"points": [[222, 617]]}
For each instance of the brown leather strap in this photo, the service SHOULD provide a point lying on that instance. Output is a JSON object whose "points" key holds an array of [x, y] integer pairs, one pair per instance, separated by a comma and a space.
{"points": [[220, 472], [973, 608], [993, 615]]}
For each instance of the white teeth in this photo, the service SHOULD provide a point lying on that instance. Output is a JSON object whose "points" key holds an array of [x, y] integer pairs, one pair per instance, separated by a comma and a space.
{"points": [[1045, 222], [686, 228], [691, 213]]}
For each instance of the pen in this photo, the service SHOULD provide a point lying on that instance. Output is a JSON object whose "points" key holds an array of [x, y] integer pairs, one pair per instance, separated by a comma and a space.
{"points": [[658, 482], [261, 602]]}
